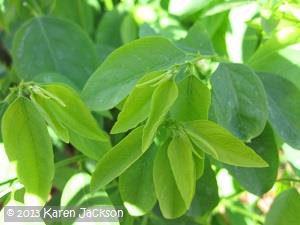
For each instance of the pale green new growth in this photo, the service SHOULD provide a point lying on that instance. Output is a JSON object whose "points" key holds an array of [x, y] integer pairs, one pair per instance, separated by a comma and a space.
{"points": [[215, 140], [28, 145]]}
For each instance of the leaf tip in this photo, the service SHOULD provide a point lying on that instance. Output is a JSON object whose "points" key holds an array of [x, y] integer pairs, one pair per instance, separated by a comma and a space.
{"points": [[115, 129], [93, 187]]}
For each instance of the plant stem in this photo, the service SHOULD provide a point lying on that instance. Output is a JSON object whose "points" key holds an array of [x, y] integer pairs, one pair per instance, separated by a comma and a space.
{"points": [[8, 181], [57, 165], [288, 180], [244, 212], [144, 220], [69, 161]]}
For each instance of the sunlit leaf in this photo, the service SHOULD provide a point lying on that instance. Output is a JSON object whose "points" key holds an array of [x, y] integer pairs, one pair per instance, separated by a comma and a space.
{"points": [[27, 144], [219, 143]]}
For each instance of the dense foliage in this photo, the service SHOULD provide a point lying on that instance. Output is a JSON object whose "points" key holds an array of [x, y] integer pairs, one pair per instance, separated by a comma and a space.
{"points": [[184, 112]]}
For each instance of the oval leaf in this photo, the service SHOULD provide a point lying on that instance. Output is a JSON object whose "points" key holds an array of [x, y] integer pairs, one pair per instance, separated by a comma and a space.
{"points": [[137, 106], [118, 74], [92, 148], [163, 98], [49, 115], [180, 152], [206, 196], [285, 209], [27, 143], [72, 112], [136, 185], [79, 11], [46, 44], [259, 180], [197, 41], [193, 100], [283, 99], [199, 162], [239, 100], [170, 201], [76, 193], [222, 145], [118, 159]]}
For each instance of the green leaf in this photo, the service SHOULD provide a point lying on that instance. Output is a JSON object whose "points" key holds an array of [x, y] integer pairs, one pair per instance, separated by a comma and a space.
{"points": [[197, 41], [89, 147], [76, 193], [180, 152], [52, 77], [118, 159], [163, 98], [78, 11], [137, 106], [283, 99], [50, 117], [28, 145], [239, 100], [193, 100], [3, 107], [259, 180], [280, 53], [199, 162], [206, 196], [73, 115], [46, 44], [285, 209], [62, 175], [287, 34], [108, 31], [217, 141], [129, 29], [284, 62], [170, 201], [118, 74], [136, 185]]}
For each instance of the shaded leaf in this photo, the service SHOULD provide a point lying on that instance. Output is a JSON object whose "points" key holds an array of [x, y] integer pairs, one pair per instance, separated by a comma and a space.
{"points": [[285, 209], [180, 152], [259, 180], [108, 30], [46, 44], [92, 148], [170, 201], [78, 11], [197, 41], [136, 185], [239, 100], [76, 193], [206, 196], [199, 163], [283, 97]]}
